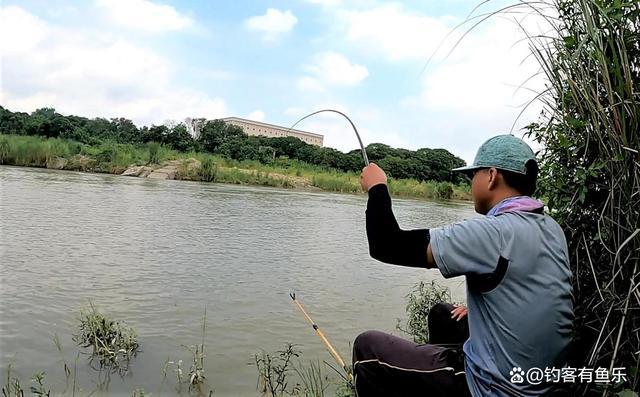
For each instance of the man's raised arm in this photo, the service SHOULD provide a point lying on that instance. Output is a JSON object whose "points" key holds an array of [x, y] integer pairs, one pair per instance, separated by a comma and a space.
{"points": [[387, 242]]}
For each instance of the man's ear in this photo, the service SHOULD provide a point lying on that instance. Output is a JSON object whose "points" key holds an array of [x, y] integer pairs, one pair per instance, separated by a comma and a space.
{"points": [[493, 178]]}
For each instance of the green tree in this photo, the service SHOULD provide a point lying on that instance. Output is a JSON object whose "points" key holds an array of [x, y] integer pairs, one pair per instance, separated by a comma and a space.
{"points": [[179, 138], [100, 129], [47, 122], [378, 151], [398, 167], [12, 123], [155, 133], [216, 132], [240, 148], [353, 161], [79, 134], [125, 131]]}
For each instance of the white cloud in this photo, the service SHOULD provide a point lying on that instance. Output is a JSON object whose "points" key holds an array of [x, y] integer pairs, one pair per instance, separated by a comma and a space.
{"points": [[87, 74], [395, 32], [483, 73], [335, 69], [478, 87], [257, 115], [294, 111], [326, 3], [463, 98], [273, 24], [309, 84], [15, 19], [145, 15], [473, 94]]}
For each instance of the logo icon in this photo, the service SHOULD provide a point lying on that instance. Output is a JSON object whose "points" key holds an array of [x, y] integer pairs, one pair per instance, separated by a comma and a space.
{"points": [[517, 375]]}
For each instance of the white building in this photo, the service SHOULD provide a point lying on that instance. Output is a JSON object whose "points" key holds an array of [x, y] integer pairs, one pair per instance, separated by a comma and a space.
{"points": [[251, 127]]}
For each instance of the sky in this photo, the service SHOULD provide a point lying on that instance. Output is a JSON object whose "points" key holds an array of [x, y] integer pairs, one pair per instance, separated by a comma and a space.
{"points": [[393, 67]]}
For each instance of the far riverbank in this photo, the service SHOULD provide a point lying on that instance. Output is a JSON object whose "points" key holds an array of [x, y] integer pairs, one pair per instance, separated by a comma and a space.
{"points": [[158, 162]]}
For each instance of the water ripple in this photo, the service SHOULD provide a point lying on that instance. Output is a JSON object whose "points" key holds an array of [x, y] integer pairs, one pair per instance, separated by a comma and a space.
{"points": [[155, 253]]}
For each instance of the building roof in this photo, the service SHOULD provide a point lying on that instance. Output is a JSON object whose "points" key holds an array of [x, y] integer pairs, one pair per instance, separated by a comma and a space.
{"points": [[260, 123]]}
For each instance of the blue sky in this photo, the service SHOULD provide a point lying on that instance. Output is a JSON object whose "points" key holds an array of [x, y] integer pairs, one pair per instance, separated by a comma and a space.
{"points": [[275, 61]]}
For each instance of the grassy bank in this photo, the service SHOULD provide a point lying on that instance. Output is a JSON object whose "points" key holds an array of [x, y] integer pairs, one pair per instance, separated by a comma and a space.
{"points": [[114, 158]]}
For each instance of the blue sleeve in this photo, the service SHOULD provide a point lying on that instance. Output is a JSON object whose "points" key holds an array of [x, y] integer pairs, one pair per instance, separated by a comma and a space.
{"points": [[469, 247]]}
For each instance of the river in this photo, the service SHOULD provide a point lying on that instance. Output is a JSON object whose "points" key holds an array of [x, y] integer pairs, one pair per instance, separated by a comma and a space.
{"points": [[154, 254]]}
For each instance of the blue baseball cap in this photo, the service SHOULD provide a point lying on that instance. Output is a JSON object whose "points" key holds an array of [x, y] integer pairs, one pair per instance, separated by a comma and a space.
{"points": [[504, 152]]}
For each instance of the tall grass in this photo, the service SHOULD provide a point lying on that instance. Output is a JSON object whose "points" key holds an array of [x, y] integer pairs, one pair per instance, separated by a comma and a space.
{"points": [[208, 170], [279, 376], [337, 182], [34, 151], [590, 137], [428, 189], [154, 149]]}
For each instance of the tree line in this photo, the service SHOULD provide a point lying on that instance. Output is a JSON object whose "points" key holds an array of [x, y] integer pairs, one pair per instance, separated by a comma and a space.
{"points": [[218, 137]]}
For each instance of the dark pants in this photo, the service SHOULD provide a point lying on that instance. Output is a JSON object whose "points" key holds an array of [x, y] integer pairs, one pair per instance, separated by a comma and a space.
{"points": [[386, 365]]}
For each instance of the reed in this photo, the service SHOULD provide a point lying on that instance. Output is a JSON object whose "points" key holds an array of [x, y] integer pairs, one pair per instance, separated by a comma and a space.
{"points": [[313, 381], [590, 171]]}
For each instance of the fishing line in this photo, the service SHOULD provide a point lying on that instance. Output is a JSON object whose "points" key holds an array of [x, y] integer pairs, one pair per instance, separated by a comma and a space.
{"points": [[364, 152]]}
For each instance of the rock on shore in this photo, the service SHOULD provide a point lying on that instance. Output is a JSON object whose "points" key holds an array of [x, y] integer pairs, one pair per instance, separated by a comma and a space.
{"points": [[139, 171], [168, 170]]}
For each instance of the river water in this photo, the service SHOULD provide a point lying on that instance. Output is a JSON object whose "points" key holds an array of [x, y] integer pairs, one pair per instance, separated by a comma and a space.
{"points": [[154, 254]]}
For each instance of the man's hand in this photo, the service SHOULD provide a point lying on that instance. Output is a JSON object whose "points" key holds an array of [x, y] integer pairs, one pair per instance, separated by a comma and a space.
{"points": [[372, 175], [458, 312]]}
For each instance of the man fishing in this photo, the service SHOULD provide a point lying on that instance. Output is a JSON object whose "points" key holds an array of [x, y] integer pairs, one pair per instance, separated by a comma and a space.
{"points": [[519, 293]]}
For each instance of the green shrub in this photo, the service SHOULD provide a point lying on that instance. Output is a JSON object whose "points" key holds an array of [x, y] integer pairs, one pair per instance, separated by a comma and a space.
{"points": [[208, 170], [154, 153], [444, 190], [420, 300], [4, 150], [274, 371]]}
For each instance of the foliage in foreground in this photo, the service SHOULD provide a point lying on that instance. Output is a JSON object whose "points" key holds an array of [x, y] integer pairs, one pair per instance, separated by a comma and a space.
{"points": [[419, 301], [279, 376], [112, 344], [589, 132], [13, 387]]}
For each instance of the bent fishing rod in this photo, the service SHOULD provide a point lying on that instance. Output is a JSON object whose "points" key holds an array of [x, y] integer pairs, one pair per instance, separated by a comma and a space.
{"points": [[362, 149], [324, 339]]}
